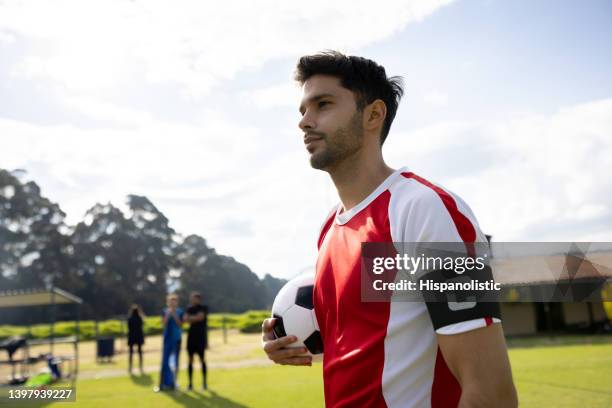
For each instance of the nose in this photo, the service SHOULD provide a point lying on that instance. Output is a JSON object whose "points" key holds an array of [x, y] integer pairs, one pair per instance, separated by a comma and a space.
{"points": [[307, 122]]}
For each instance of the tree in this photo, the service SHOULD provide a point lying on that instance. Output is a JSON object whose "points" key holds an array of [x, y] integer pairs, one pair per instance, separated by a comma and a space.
{"points": [[34, 239], [225, 284], [111, 259], [123, 260]]}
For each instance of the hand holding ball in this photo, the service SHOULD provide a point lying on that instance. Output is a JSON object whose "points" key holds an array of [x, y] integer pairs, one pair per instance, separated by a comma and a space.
{"points": [[293, 310]]}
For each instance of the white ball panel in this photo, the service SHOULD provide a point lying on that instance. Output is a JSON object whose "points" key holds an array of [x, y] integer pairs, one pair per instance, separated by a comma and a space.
{"points": [[285, 298], [298, 322], [315, 322]]}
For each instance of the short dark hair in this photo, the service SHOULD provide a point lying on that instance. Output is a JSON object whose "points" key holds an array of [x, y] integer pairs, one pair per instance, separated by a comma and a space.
{"points": [[364, 77]]}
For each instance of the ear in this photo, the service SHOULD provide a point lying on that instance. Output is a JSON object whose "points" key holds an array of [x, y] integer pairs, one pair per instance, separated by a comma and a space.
{"points": [[374, 115]]}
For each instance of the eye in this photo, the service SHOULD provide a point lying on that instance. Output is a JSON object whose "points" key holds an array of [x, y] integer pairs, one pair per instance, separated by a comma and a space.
{"points": [[323, 103]]}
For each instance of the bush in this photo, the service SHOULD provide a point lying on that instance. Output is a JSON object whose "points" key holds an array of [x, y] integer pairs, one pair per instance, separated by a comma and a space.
{"points": [[248, 322]]}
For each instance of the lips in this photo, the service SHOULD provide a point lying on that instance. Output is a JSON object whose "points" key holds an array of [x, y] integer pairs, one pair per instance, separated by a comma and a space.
{"points": [[311, 138]]}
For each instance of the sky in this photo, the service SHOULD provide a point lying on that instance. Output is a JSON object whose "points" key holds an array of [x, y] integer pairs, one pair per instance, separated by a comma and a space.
{"points": [[507, 103]]}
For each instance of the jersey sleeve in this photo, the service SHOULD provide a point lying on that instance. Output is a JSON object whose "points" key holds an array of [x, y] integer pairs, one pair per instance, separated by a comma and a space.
{"points": [[421, 212]]}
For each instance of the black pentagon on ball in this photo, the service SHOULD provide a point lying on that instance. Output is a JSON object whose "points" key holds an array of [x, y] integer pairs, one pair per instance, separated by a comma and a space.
{"points": [[314, 343], [279, 327], [304, 297]]}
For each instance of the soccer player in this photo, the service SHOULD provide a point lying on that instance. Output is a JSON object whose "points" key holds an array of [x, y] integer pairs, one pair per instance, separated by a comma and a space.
{"points": [[385, 354], [197, 339]]}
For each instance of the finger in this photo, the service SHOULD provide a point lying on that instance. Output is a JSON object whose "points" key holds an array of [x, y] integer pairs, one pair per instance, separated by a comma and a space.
{"points": [[268, 324], [301, 361], [284, 353], [267, 331], [273, 345]]}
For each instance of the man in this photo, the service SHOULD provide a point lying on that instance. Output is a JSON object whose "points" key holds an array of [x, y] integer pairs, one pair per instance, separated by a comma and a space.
{"points": [[197, 339], [385, 354]]}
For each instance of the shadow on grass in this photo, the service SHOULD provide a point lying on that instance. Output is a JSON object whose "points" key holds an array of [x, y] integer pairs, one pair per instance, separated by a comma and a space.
{"points": [[143, 380], [198, 398], [205, 399]]}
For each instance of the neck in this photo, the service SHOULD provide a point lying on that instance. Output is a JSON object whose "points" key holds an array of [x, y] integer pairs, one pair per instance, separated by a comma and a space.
{"points": [[356, 177]]}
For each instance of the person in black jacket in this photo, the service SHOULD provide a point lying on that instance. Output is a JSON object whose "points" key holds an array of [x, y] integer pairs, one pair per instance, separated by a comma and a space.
{"points": [[135, 335], [197, 339]]}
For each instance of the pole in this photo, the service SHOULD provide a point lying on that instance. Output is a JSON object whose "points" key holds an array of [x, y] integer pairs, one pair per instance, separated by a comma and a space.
{"points": [[224, 324], [51, 332], [76, 341]]}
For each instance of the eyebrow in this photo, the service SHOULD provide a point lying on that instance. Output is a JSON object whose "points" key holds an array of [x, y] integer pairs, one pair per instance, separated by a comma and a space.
{"points": [[314, 98]]}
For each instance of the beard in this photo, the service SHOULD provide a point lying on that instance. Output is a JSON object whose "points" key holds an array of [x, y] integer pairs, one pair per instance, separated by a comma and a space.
{"points": [[345, 142]]}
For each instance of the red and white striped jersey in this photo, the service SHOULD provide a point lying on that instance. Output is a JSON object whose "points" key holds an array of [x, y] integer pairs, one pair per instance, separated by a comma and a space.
{"points": [[385, 354]]}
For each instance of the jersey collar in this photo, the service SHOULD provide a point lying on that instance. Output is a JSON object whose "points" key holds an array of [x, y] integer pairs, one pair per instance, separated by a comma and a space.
{"points": [[342, 217]]}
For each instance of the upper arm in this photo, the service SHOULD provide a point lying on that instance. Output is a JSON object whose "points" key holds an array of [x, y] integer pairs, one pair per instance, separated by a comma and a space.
{"points": [[471, 343], [479, 361], [424, 213]]}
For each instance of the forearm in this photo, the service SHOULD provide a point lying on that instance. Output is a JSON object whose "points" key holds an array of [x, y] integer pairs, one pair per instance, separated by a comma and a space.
{"points": [[488, 395], [195, 318]]}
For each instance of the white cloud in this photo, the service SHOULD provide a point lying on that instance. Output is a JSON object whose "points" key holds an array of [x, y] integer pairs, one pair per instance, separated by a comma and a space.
{"points": [[286, 94], [107, 112], [98, 44], [532, 177], [6, 38], [436, 99]]}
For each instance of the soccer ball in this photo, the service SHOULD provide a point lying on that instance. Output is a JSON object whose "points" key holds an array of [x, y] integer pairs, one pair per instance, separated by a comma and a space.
{"points": [[294, 312]]}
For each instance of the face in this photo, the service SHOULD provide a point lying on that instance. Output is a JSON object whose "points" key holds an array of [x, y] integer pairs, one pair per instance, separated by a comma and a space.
{"points": [[194, 299], [172, 302], [331, 122]]}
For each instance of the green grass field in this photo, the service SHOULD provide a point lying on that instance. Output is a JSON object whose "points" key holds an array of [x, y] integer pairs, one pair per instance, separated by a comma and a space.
{"points": [[564, 376], [555, 372], [229, 388]]}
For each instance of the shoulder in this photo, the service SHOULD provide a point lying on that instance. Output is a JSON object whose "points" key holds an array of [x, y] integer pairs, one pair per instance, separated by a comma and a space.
{"points": [[421, 210], [411, 189]]}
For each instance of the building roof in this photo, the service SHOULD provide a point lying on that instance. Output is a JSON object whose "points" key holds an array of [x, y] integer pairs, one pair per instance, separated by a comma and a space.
{"points": [[552, 268], [36, 297]]}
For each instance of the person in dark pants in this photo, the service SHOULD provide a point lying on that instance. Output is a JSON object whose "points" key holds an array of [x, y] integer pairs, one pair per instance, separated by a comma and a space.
{"points": [[197, 339], [135, 335]]}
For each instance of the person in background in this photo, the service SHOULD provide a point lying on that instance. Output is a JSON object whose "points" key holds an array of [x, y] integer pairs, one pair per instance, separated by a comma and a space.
{"points": [[197, 339], [172, 318], [135, 335]]}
